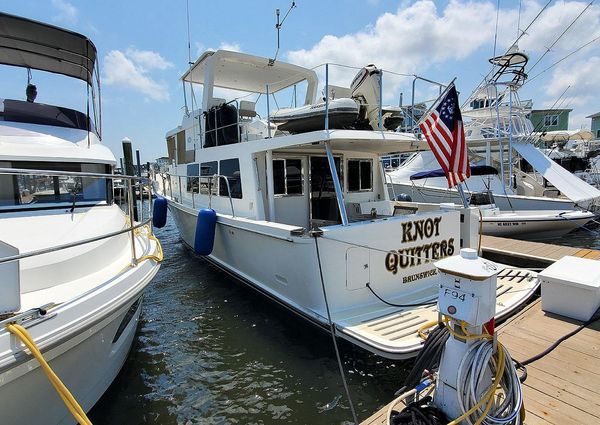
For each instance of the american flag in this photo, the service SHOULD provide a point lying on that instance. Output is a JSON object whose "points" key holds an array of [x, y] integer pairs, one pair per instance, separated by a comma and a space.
{"points": [[445, 134]]}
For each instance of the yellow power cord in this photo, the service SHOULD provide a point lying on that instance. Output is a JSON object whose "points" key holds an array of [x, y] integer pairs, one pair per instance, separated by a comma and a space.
{"points": [[66, 396], [488, 397], [159, 256]]}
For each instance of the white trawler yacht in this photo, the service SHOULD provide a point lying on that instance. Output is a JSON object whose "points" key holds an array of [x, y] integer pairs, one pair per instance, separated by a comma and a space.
{"points": [[74, 267], [303, 215], [499, 132]]}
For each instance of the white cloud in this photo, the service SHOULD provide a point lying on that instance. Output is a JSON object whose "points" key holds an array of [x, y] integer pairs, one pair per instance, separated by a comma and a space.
{"points": [[581, 77], [126, 70], [67, 13], [426, 34], [552, 23], [147, 59], [232, 46], [405, 41]]}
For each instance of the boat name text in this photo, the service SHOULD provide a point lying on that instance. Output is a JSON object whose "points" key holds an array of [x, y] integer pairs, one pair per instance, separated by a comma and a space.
{"points": [[420, 229], [417, 255]]}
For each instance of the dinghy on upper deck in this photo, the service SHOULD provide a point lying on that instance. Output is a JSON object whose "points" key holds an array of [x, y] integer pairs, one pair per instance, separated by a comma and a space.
{"points": [[355, 108]]}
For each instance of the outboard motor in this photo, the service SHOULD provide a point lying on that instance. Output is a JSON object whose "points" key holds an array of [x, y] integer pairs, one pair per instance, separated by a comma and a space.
{"points": [[365, 89], [366, 92]]}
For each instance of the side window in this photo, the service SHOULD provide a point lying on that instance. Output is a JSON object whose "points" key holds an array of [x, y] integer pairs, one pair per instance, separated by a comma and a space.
{"points": [[550, 120], [192, 182], [287, 177], [279, 176], [360, 175], [231, 169], [293, 176], [208, 169]]}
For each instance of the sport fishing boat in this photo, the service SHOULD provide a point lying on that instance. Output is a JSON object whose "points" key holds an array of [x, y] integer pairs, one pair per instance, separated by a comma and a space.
{"points": [[497, 126], [306, 218], [74, 266]]}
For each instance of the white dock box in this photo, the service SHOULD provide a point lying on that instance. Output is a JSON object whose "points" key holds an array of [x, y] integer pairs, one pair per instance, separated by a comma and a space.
{"points": [[571, 287]]}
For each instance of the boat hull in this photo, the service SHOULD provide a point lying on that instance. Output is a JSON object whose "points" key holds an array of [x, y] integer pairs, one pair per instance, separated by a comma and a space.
{"points": [[86, 343], [286, 269], [534, 227], [504, 202]]}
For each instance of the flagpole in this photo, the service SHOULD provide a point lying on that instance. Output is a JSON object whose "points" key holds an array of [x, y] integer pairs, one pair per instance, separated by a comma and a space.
{"points": [[435, 102], [461, 192]]}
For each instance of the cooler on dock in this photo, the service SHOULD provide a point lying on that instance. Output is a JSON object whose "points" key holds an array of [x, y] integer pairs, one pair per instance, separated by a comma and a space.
{"points": [[571, 287]]}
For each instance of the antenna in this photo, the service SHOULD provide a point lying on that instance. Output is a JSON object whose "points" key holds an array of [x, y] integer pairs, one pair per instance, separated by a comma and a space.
{"points": [[278, 26]]}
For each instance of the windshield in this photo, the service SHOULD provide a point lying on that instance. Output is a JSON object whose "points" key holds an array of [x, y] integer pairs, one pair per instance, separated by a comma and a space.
{"points": [[38, 190]]}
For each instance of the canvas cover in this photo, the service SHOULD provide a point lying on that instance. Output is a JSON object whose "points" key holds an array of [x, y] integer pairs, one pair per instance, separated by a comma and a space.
{"points": [[36, 45]]}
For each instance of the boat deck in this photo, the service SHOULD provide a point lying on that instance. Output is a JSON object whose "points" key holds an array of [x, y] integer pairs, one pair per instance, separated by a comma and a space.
{"points": [[562, 388], [505, 248], [394, 330]]}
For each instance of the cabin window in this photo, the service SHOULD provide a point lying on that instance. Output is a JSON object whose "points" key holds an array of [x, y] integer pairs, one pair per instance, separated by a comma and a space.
{"points": [[38, 190], [193, 170], [550, 120], [360, 175], [207, 170], [230, 168], [287, 177]]}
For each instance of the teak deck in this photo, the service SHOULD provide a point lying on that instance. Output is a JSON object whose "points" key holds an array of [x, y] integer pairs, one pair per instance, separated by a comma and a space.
{"points": [[534, 251], [562, 388]]}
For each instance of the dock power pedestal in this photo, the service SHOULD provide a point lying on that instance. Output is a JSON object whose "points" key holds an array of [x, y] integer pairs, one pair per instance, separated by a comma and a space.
{"points": [[467, 297]]}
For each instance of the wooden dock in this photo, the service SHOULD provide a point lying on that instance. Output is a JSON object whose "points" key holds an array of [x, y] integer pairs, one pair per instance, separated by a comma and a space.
{"points": [[524, 253], [562, 388]]}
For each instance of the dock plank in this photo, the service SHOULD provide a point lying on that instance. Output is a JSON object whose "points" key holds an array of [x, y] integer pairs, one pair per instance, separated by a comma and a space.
{"points": [[533, 250], [563, 387]]}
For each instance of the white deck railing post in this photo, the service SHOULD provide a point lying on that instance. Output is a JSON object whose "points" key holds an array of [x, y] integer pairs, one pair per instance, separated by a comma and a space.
{"points": [[270, 185], [336, 183]]}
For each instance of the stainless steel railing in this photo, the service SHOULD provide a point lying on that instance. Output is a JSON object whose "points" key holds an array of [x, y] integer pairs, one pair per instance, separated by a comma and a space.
{"points": [[142, 183], [209, 179]]}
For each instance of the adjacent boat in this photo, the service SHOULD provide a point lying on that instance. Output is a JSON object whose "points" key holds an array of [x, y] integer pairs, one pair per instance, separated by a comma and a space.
{"points": [[499, 132], [74, 266], [518, 224], [306, 219]]}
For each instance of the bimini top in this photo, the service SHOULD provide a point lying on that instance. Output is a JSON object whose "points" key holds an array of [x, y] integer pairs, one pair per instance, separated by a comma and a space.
{"points": [[36, 45], [240, 71]]}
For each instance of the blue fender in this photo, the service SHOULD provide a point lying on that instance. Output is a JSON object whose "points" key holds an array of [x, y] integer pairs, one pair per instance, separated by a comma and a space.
{"points": [[205, 231], [159, 212]]}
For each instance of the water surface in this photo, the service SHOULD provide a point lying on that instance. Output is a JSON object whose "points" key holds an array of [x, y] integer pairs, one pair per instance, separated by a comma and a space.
{"points": [[210, 351]]}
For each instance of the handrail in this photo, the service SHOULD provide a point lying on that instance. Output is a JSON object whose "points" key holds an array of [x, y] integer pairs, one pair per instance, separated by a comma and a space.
{"points": [[26, 171], [228, 191], [144, 182], [210, 178], [73, 244]]}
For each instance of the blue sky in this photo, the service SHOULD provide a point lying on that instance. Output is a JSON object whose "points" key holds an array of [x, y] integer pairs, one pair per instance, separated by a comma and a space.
{"points": [[143, 51]]}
